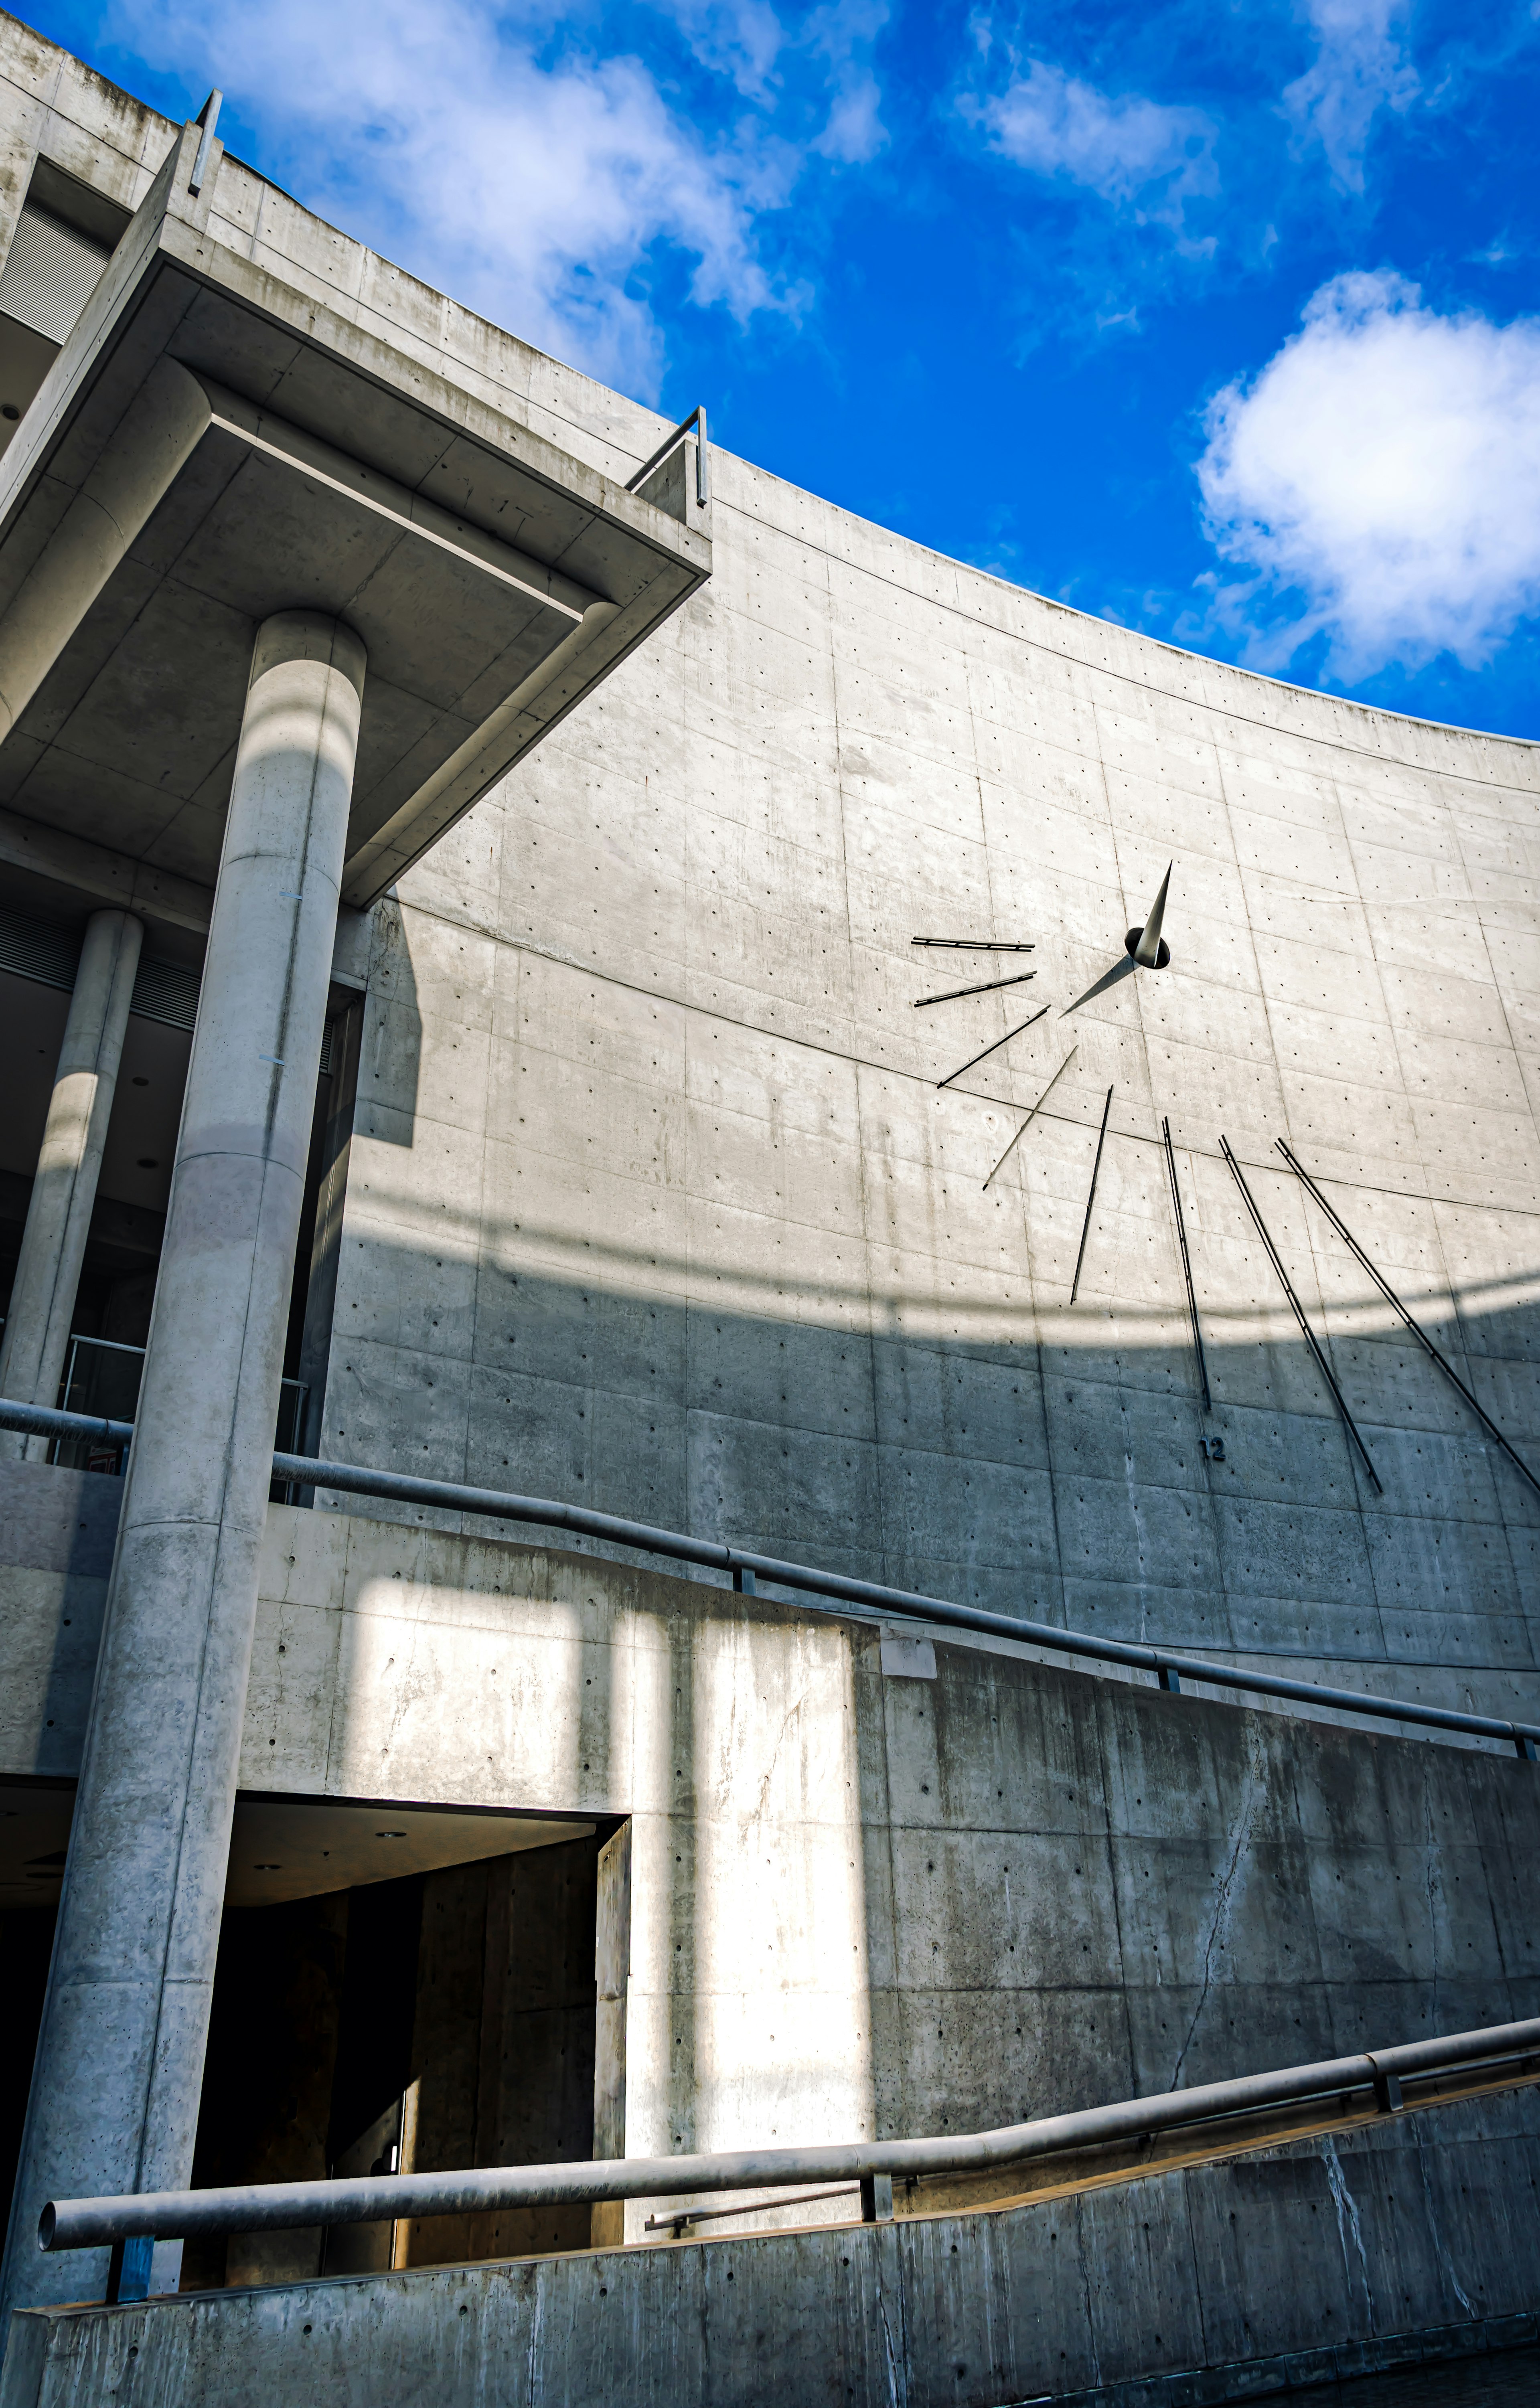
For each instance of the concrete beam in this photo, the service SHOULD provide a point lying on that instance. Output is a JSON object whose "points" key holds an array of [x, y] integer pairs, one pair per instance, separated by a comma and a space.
{"points": [[98, 870], [152, 442], [116, 2084]]}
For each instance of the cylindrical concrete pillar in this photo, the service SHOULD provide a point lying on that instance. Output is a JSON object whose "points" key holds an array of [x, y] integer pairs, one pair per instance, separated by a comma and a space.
{"points": [[42, 1298], [120, 2060], [156, 436]]}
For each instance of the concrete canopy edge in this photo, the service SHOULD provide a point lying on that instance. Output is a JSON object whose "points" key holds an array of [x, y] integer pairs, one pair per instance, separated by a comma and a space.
{"points": [[315, 423]]}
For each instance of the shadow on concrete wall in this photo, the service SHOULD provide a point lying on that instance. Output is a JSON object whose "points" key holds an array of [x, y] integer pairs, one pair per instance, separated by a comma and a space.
{"points": [[1056, 1473], [1191, 1891], [1089, 1891], [1073, 1891], [1095, 1891], [395, 1027]]}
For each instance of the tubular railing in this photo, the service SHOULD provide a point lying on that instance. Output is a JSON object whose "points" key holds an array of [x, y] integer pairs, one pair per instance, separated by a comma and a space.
{"points": [[105, 1371], [1372, 2079], [747, 1569], [671, 443]]}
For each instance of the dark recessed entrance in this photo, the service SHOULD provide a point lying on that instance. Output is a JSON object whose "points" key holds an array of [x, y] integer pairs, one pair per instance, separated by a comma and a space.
{"points": [[440, 2017], [366, 2019]]}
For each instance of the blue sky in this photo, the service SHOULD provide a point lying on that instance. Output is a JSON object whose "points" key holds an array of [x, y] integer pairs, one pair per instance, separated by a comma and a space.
{"points": [[1220, 321]]}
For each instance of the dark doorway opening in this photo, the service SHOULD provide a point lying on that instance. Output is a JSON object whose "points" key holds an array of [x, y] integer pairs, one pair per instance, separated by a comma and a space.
{"points": [[439, 2016], [440, 2019]]}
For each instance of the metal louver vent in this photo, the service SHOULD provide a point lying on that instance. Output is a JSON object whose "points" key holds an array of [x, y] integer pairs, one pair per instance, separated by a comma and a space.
{"points": [[162, 991], [166, 991], [40, 949], [37, 948], [49, 274]]}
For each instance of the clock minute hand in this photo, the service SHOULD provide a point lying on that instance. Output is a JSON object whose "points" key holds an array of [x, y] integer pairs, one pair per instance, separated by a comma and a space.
{"points": [[1144, 949], [1145, 943]]}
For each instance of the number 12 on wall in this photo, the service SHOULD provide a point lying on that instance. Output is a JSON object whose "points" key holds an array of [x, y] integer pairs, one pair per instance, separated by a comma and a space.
{"points": [[1213, 1448]]}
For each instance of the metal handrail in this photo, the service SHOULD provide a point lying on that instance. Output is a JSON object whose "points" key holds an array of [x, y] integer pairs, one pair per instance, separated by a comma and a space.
{"points": [[456, 1496], [669, 444], [207, 118], [371, 2198], [291, 1391]]}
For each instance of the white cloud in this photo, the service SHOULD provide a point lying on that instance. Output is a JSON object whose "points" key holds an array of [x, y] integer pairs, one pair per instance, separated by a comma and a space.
{"points": [[535, 191], [738, 38], [842, 34], [1380, 479], [1359, 68], [855, 131], [1134, 151]]}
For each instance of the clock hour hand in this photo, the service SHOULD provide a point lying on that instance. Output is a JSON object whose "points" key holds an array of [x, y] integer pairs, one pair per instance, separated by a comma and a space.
{"points": [[1144, 949], [1109, 978]]}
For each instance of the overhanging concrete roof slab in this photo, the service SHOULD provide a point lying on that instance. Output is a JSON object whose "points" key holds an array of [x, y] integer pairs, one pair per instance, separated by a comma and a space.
{"points": [[493, 579]]}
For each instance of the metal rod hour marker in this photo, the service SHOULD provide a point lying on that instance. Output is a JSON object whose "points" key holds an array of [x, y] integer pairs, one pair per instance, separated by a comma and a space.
{"points": [[1036, 1109], [989, 1049], [1415, 1327], [972, 945], [990, 986], [1310, 1337], [1187, 1266], [1085, 1226]]}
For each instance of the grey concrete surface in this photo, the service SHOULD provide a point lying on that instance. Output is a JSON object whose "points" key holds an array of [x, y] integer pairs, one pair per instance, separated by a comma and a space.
{"points": [[40, 1317], [654, 1201], [493, 578], [145, 449], [115, 2089], [874, 1902], [60, 1528], [863, 1901], [1116, 2296]]}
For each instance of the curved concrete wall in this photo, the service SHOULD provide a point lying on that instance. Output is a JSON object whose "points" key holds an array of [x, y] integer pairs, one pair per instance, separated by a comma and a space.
{"points": [[658, 1203], [655, 1199]]}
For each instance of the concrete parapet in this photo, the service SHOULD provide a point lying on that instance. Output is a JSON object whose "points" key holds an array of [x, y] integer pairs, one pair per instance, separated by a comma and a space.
{"points": [[865, 1901], [1189, 2289]]}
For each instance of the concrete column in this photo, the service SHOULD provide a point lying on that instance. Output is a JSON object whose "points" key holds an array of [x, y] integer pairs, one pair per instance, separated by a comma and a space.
{"points": [[132, 473], [42, 1300], [120, 2061]]}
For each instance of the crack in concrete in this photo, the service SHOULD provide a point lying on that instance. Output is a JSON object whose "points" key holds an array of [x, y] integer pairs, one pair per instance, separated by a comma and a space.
{"points": [[1436, 2228], [1347, 2221], [532, 2381], [1230, 1883], [1433, 1884], [897, 2385], [1085, 2294]]}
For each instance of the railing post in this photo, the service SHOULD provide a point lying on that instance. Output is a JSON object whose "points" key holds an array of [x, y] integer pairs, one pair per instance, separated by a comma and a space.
{"points": [[128, 2269], [1388, 2098], [876, 2199]]}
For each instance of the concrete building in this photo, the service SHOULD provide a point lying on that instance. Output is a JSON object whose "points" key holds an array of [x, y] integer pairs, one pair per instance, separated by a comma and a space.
{"points": [[459, 899]]}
